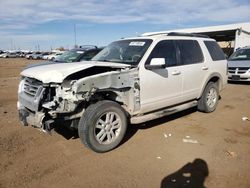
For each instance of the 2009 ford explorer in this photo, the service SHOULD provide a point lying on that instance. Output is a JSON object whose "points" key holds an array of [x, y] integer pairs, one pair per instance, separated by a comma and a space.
{"points": [[129, 82]]}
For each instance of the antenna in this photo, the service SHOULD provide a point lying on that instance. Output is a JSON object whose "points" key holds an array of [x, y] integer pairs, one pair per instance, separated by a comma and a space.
{"points": [[75, 33]]}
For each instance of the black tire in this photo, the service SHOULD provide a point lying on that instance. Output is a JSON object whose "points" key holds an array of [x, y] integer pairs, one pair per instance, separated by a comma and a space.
{"points": [[94, 124], [209, 99]]}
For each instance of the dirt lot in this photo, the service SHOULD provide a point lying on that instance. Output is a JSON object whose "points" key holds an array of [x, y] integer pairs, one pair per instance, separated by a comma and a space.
{"points": [[154, 154]]}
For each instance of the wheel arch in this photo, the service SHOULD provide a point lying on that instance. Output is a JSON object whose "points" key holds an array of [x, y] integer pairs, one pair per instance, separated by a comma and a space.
{"points": [[216, 78], [108, 95]]}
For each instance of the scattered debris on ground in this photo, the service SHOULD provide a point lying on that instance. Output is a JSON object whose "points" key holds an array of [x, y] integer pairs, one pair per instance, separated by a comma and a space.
{"points": [[231, 154], [167, 135], [245, 119], [192, 141]]}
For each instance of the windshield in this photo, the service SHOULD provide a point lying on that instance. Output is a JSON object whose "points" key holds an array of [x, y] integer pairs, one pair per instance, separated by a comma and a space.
{"points": [[242, 54], [69, 56], [124, 51]]}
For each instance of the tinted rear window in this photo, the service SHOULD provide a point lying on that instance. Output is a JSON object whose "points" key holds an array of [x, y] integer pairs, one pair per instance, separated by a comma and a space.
{"points": [[190, 52], [215, 51]]}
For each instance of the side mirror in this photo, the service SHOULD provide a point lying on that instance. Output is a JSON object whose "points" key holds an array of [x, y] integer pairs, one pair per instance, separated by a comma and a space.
{"points": [[156, 63]]}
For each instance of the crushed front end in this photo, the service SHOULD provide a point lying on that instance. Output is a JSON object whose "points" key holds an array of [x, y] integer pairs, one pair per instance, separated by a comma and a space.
{"points": [[44, 104], [39, 105]]}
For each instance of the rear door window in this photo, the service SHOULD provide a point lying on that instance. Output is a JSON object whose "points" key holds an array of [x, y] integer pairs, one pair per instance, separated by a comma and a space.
{"points": [[190, 52]]}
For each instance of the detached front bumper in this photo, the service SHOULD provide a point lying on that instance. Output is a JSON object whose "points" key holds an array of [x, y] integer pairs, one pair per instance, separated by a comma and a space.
{"points": [[36, 120], [30, 93]]}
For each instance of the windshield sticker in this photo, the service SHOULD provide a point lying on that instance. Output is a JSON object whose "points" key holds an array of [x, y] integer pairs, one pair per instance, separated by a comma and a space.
{"points": [[79, 52], [136, 43]]}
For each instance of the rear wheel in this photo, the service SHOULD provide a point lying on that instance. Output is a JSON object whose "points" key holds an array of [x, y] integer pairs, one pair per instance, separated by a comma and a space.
{"points": [[209, 99], [102, 126]]}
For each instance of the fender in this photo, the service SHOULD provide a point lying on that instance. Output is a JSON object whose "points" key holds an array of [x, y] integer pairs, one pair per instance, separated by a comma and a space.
{"points": [[218, 78]]}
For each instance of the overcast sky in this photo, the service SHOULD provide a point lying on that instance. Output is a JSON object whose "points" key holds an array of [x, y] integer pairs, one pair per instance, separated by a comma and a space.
{"points": [[25, 24]]}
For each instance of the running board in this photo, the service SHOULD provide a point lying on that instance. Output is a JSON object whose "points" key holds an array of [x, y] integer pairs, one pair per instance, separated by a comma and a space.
{"points": [[161, 113]]}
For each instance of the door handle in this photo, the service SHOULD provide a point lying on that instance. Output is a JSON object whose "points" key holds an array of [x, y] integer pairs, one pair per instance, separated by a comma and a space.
{"points": [[176, 72], [205, 68]]}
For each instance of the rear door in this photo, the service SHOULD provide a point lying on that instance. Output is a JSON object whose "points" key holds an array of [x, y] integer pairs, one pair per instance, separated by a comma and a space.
{"points": [[194, 67]]}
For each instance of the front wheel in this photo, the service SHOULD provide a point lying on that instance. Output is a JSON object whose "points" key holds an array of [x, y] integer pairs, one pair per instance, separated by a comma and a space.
{"points": [[209, 99], [102, 126]]}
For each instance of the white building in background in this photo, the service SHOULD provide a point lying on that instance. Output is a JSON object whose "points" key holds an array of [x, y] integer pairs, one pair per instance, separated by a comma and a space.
{"points": [[230, 37]]}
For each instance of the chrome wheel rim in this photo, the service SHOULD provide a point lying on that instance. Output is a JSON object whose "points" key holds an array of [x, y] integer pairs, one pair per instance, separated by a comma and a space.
{"points": [[107, 128], [211, 98]]}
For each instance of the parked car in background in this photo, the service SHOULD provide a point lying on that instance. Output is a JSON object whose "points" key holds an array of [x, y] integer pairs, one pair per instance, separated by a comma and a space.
{"points": [[35, 55], [18, 53], [3, 55], [74, 55], [39, 55], [78, 54], [8, 54], [27, 56], [24, 53], [239, 65], [53, 55]]}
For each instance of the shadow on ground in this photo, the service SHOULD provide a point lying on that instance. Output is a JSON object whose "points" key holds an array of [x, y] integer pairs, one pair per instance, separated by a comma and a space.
{"points": [[191, 175], [68, 133], [132, 129], [238, 82]]}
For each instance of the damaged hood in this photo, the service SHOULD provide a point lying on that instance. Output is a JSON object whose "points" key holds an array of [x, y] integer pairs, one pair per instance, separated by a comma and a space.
{"points": [[56, 73]]}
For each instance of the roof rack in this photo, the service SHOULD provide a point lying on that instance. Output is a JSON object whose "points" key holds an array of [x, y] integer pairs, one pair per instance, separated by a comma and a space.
{"points": [[178, 34], [187, 34], [88, 47]]}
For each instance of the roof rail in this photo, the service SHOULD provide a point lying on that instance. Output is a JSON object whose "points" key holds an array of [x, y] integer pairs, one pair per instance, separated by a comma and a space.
{"points": [[153, 34], [187, 34], [88, 46], [178, 34]]}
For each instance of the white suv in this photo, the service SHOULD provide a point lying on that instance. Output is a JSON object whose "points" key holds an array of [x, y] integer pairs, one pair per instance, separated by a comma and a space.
{"points": [[132, 80]]}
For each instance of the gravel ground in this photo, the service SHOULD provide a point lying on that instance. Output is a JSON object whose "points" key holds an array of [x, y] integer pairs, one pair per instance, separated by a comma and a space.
{"points": [[188, 149]]}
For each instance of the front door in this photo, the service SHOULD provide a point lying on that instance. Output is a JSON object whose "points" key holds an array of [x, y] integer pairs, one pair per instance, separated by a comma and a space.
{"points": [[161, 87]]}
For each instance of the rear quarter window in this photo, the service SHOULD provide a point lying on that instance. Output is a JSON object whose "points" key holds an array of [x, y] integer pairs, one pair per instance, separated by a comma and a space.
{"points": [[215, 51]]}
